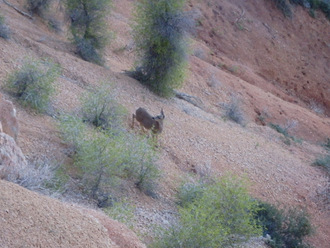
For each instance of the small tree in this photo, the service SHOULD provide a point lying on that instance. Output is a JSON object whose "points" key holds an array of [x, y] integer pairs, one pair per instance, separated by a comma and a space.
{"points": [[88, 27], [160, 34]]}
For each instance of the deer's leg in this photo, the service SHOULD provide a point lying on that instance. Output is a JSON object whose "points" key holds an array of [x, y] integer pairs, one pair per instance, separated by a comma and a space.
{"points": [[133, 117], [154, 138]]}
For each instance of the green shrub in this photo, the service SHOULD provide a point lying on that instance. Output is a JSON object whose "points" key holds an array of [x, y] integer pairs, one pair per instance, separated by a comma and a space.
{"points": [[222, 215], [38, 6], [140, 165], [313, 5], [89, 28], [100, 109], [325, 8], [160, 34], [4, 29], [284, 7], [189, 192], [286, 227], [103, 158], [323, 162], [33, 83], [327, 143]]}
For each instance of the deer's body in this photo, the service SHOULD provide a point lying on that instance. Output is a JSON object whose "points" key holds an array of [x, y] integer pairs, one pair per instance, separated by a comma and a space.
{"points": [[8, 118], [155, 123]]}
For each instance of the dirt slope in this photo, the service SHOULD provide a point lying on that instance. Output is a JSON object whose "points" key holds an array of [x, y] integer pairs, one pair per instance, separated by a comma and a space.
{"points": [[44, 224], [278, 68]]}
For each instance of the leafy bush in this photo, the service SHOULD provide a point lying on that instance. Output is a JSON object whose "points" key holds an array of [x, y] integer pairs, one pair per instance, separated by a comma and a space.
{"points": [[160, 34], [103, 158], [33, 83], [38, 6], [323, 162], [189, 192], [284, 7], [219, 217], [101, 110], [286, 227], [234, 112], [4, 29], [88, 27]]}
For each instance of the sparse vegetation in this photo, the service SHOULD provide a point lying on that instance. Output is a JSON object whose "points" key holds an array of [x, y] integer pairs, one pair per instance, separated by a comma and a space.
{"points": [[327, 143], [38, 6], [284, 6], [284, 131], [54, 24], [279, 129], [33, 83], [233, 111], [220, 216], [324, 162], [103, 158], [88, 27], [188, 192], [100, 109], [122, 211], [160, 35], [36, 176], [4, 29], [312, 5], [286, 227]]}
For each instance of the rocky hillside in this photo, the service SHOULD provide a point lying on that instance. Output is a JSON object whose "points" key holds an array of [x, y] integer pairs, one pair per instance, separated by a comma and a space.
{"points": [[276, 68]]}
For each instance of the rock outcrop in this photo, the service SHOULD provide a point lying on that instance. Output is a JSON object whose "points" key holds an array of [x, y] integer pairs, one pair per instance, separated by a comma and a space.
{"points": [[12, 159], [8, 118], [28, 219]]}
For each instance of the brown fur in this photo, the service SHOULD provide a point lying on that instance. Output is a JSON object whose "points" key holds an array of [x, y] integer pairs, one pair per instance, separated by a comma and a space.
{"points": [[155, 123]]}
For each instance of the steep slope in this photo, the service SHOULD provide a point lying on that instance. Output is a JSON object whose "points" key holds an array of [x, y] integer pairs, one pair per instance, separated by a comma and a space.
{"points": [[198, 140], [27, 218], [289, 55]]}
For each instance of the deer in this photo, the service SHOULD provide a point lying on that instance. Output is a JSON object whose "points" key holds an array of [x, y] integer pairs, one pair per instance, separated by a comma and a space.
{"points": [[155, 123], [8, 120]]}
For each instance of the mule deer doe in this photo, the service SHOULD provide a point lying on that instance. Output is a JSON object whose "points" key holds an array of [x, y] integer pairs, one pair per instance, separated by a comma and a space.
{"points": [[155, 123]]}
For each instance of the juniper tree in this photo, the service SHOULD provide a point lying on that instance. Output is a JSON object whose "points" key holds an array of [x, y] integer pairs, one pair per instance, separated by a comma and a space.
{"points": [[88, 27], [161, 39]]}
